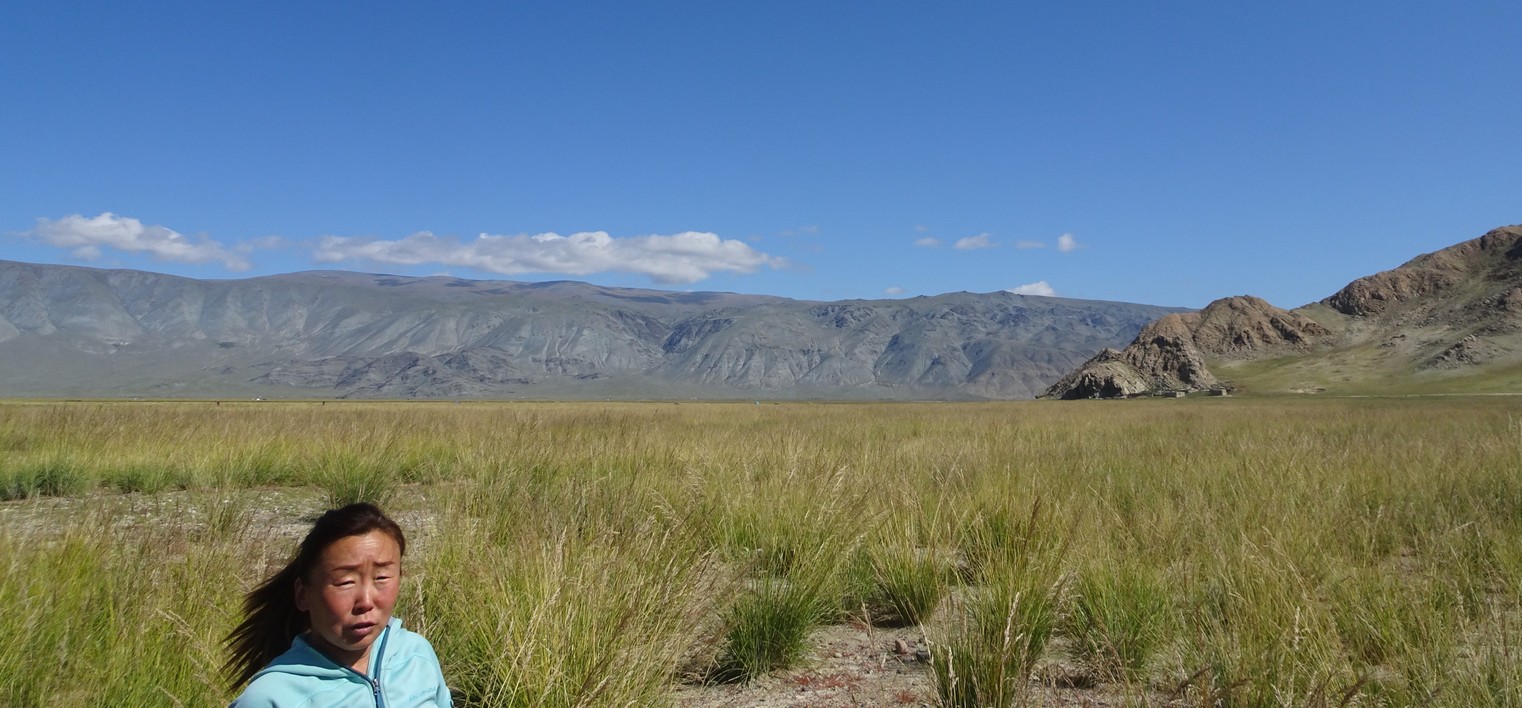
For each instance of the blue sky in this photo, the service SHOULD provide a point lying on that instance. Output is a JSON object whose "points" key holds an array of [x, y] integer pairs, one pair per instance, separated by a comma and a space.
{"points": [[1167, 153]]}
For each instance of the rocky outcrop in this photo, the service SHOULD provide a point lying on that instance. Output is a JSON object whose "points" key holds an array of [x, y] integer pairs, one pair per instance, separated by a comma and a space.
{"points": [[1452, 310], [1469, 351], [1170, 354], [1249, 327], [1430, 281], [1376, 294], [1165, 353], [1464, 302], [1107, 375]]}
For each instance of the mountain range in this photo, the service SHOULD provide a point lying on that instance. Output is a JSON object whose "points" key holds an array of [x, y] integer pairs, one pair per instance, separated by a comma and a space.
{"points": [[86, 332], [1444, 322]]}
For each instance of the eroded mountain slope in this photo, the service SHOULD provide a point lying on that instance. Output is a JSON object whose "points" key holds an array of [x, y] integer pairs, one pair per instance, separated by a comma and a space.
{"points": [[1442, 317], [81, 331]]}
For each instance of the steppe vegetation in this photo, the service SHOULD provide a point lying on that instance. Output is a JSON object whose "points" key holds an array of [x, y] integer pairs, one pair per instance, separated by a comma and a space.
{"points": [[1197, 552]]}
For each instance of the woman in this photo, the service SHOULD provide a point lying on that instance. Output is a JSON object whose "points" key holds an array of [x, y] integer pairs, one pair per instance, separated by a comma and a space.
{"points": [[320, 631]]}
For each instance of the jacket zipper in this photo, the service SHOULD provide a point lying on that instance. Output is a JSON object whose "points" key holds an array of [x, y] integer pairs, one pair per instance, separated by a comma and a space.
{"points": [[375, 676], [375, 665]]}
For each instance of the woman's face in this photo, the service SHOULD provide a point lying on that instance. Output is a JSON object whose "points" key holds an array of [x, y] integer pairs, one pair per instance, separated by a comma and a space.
{"points": [[349, 596]]}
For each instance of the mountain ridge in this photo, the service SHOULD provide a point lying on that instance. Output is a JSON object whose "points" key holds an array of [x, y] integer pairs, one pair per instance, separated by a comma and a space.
{"points": [[1454, 312], [72, 330]]}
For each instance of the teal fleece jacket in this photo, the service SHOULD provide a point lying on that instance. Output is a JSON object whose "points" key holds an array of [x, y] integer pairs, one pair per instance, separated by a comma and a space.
{"points": [[404, 673]]}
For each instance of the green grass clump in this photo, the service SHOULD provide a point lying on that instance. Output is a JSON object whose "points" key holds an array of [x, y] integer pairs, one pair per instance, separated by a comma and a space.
{"points": [[995, 538], [526, 611], [1258, 632], [767, 629], [773, 542], [88, 619], [51, 476], [141, 478], [1380, 618], [896, 585], [347, 478], [1119, 619], [987, 658], [782, 597]]}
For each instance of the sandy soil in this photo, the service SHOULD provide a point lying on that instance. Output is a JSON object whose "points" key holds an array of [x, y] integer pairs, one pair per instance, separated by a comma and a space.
{"points": [[849, 666], [853, 665]]}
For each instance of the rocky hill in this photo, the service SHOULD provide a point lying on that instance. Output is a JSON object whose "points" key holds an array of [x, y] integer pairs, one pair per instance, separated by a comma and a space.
{"points": [[1171, 353], [1458, 310], [70, 331]]}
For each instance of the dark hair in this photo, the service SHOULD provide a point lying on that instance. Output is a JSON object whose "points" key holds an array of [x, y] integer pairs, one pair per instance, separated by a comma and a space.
{"points": [[270, 617]]}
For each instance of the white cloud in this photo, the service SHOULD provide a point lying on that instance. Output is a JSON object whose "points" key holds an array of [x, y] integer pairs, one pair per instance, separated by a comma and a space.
{"points": [[1026, 245], [679, 258], [895, 290], [927, 242], [800, 231], [1040, 287], [86, 237], [973, 243], [1066, 243], [921, 228], [261, 242]]}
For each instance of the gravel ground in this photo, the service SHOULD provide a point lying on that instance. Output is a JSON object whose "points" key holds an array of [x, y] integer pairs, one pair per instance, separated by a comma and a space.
{"points": [[849, 666], [852, 665]]}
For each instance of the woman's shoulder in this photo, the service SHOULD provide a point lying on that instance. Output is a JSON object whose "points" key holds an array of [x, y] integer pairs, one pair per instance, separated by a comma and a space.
{"points": [[412, 675], [406, 641], [281, 689], [299, 677]]}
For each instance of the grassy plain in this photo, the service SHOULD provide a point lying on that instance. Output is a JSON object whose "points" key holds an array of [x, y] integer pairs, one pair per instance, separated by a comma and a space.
{"points": [[1195, 552], [1365, 370]]}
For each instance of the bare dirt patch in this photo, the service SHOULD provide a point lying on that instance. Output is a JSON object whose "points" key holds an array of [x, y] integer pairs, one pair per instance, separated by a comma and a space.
{"points": [[848, 665], [856, 665]]}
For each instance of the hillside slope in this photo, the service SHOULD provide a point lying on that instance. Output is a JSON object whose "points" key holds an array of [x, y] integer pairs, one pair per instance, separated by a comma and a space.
{"points": [[1450, 320], [81, 331]]}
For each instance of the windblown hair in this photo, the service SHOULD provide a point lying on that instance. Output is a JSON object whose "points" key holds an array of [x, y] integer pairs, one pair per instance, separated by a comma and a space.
{"points": [[270, 617]]}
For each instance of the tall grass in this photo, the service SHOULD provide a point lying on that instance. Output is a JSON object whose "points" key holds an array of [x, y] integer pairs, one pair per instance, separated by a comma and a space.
{"points": [[547, 617], [91, 618], [1121, 617], [766, 628], [1233, 552], [987, 655], [896, 584]]}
